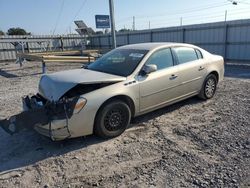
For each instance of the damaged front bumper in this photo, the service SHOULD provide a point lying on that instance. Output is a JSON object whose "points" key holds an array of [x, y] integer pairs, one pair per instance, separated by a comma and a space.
{"points": [[46, 117]]}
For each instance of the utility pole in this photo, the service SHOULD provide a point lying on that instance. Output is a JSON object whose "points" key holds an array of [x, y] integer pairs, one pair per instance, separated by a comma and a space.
{"points": [[133, 23], [149, 25], [181, 21], [112, 18], [225, 15]]}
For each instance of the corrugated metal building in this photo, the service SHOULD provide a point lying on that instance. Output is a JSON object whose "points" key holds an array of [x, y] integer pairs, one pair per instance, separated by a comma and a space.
{"points": [[230, 39]]}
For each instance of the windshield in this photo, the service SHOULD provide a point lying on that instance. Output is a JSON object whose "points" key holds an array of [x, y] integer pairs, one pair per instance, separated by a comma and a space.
{"points": [[120, 62]]}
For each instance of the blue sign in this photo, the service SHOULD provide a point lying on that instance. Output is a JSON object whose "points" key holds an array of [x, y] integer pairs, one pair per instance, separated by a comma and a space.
{"points": [[102, 21]]}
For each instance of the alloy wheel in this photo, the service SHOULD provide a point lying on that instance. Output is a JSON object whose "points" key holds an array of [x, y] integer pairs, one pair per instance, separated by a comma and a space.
{"points": [[210, 87]]}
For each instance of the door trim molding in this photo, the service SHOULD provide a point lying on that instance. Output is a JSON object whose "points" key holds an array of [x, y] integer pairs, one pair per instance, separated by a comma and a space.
{"points": [[159, 91]]}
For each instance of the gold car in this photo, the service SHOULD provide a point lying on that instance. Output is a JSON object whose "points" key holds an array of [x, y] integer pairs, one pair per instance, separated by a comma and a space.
{"points": [[128, 81]]}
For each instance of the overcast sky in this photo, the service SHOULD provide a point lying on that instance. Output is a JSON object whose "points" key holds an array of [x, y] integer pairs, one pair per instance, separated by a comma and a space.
{"points": [[57, 16]]}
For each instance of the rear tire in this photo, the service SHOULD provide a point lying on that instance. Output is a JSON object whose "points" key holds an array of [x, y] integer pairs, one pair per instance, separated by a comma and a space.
{"points": [[112, 119], [209, 87]]}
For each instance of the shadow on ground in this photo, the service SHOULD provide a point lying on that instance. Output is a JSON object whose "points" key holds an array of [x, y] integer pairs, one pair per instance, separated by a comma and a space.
{"points": [[7, 74], [35, 147]]}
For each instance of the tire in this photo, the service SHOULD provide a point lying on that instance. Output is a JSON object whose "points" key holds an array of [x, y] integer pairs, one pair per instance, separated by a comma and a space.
{"points": [[209, 87], [112, 119]]}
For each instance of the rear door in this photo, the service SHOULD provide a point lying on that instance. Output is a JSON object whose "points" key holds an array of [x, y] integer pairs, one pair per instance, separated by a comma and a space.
{"points": [[192, 69], [161, 86]]}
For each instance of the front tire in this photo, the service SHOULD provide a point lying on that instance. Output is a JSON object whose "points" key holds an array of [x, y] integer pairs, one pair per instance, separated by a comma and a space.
{"points": [[112, 119], [209, 87]]}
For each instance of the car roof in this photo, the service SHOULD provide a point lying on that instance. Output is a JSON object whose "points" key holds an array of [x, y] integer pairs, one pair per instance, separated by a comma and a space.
{"points": [[153, 45]]}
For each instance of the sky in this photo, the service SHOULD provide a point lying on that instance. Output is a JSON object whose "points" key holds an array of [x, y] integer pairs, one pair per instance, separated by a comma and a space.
{"points": [[57, 16]]}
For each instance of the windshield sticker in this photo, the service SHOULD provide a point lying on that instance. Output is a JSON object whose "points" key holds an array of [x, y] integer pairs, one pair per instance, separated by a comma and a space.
{"points": [[137, 55]]}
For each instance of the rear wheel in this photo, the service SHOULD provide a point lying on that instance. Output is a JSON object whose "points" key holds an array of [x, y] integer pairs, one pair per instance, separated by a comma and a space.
{"points": [[209, 87], [112, 119]]}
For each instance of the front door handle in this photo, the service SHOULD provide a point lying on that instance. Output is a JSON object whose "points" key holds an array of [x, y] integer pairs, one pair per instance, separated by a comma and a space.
{"points": [[201, 68], [172, 77]]}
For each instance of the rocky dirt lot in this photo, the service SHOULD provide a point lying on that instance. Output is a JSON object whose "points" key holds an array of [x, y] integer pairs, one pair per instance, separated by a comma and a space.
{"points": [[193, 143]]}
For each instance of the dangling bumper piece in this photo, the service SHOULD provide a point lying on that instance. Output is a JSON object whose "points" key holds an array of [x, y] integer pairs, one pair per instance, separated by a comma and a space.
{"points": [[39, 111]]}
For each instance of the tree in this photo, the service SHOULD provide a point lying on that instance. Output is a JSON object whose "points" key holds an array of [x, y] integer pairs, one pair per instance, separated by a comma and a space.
{"points": [[17, 31], [1, 32], [124, 30], [106, 31], [99, 33]]}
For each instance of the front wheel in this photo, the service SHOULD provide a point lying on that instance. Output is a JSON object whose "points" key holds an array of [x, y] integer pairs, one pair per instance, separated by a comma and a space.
{"points": [[112, 119], [209, 87]]}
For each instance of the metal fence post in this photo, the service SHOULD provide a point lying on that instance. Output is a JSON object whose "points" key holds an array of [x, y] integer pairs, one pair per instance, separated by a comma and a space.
{"points": [[225, 42], [128, 39], [43, 67], [109, 41], [27, 45], [151, 36], [183, 35], [62, 46], [99, 41]]}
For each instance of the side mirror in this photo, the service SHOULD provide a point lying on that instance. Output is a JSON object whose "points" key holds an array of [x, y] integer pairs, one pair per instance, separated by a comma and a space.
{"points": [[147, 69]]}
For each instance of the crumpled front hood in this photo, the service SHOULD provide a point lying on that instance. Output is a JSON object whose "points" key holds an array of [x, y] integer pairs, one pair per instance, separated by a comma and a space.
{"points": [[53, 86]]}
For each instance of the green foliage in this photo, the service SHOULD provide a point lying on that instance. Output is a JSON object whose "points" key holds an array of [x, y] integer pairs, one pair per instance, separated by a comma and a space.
{"points": [[124, 30], [98, 32], [1, 32], [17, 31]]}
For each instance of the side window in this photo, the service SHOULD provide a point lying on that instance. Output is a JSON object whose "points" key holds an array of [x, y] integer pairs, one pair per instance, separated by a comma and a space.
{"points": [[162, 59], [185, 54], [199, 54]]}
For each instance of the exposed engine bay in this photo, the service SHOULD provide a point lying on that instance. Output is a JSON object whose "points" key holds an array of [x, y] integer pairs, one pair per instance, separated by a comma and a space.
{"points": [[81, 89]]}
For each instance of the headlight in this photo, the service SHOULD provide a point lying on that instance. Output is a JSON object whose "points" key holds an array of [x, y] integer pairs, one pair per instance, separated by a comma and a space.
{"points": [[79, 105]]}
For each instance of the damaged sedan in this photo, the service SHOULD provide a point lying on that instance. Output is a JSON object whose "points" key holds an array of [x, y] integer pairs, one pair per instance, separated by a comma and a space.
{"points": [[129, 81]]}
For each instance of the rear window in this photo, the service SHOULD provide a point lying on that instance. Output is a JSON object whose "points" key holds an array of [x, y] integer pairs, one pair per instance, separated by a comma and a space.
{"points": [[185, 54], [199, 54]]}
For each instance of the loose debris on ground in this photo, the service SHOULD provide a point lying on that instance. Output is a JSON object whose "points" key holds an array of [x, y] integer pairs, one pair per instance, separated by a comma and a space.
{"points": [[193, 143]]}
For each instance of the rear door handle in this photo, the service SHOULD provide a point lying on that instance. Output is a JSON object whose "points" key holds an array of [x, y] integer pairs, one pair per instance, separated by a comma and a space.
{"points": [[201, 68], [172, 77]]}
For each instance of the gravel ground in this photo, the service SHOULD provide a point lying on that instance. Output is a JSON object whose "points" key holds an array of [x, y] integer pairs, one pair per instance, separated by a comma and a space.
{"points": [[193, 143]]}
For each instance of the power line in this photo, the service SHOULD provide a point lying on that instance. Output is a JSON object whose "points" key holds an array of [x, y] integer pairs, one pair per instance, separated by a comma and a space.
{"points": [[187, 17], [194, 19], [195, 9], [58, 17], [76, 14], [239, 2], [244, 3], [171, 15], [198, 9], [79, 10]]}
